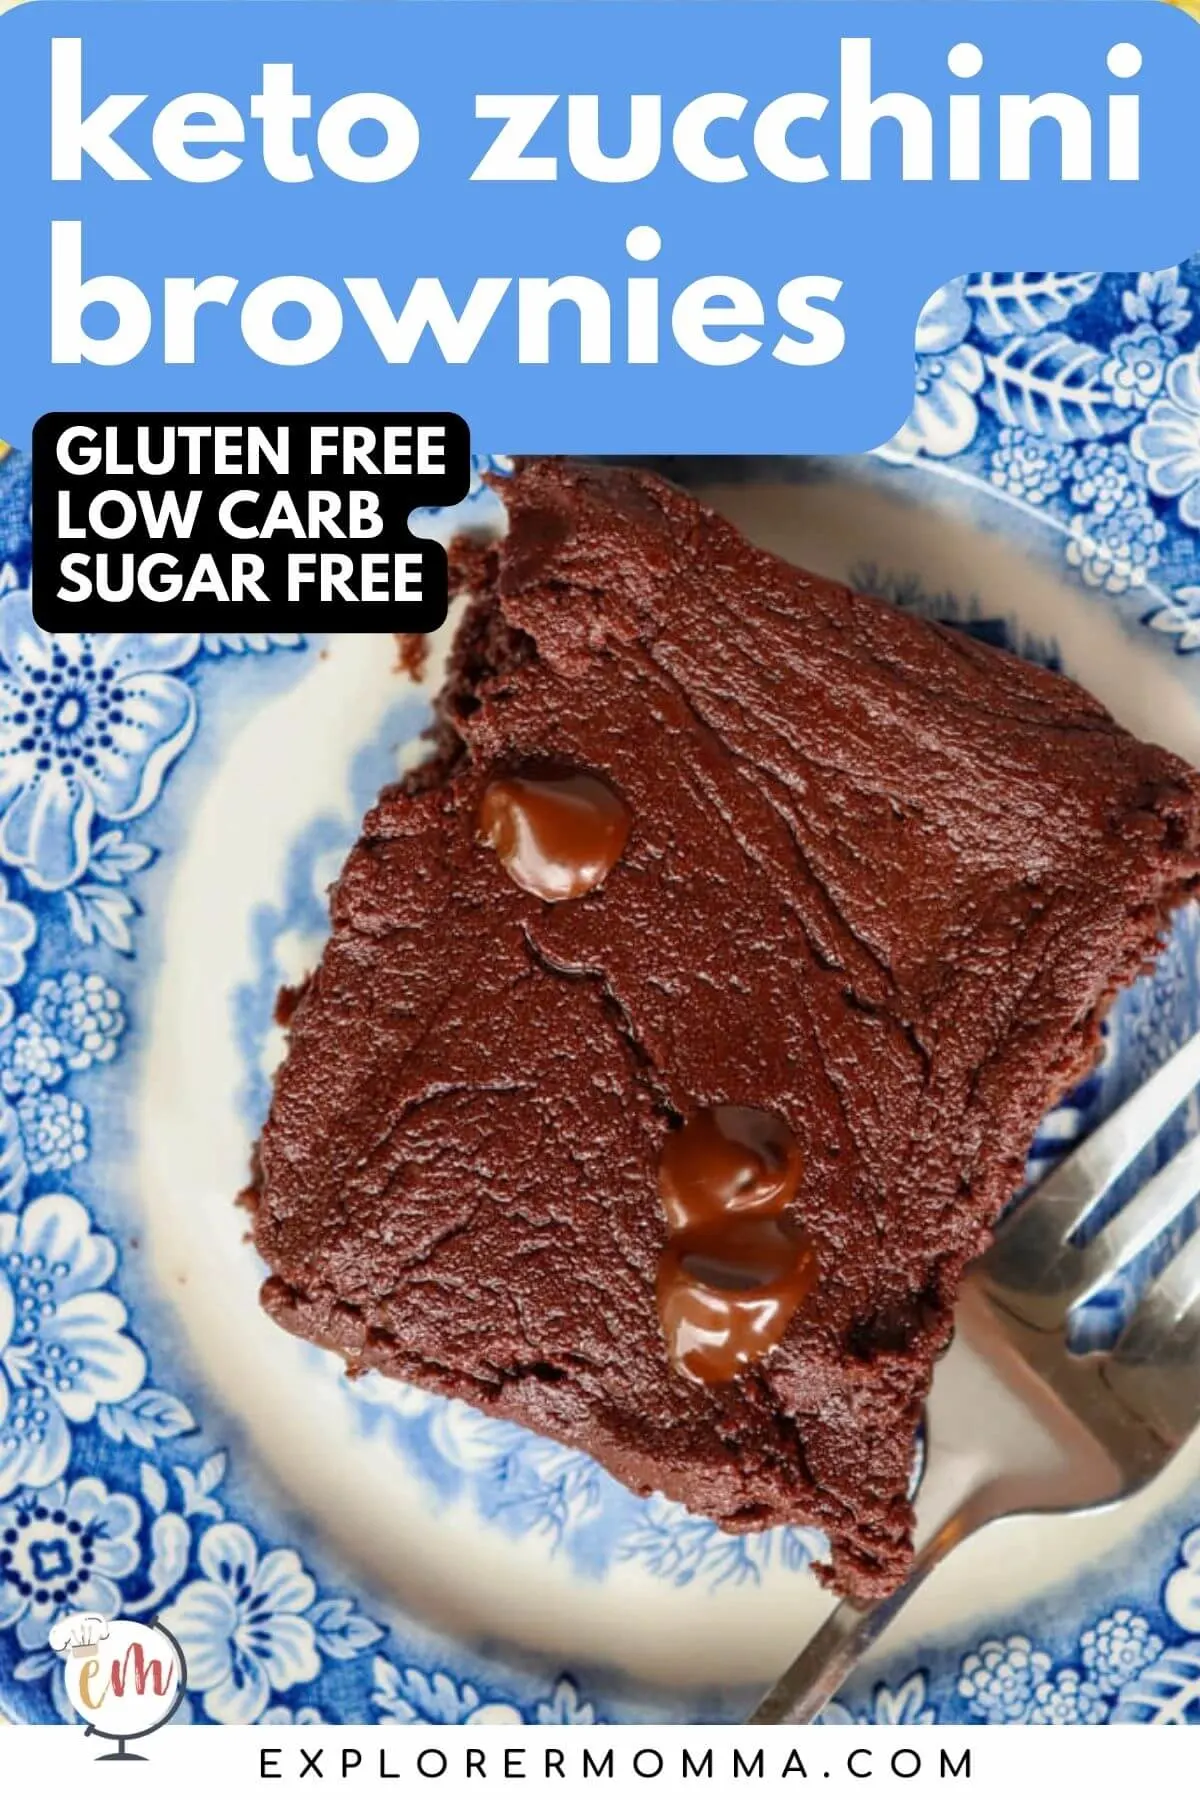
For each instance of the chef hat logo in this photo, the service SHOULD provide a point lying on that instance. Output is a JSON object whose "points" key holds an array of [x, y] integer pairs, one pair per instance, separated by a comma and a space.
{"points": [[80, 1634]]}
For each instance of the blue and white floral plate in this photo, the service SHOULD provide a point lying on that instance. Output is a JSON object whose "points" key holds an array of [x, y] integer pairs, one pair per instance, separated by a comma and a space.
{"points": [[171, 812]]}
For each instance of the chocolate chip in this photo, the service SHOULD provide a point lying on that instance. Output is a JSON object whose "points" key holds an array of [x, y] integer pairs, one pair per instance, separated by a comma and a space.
{"points": [[727, 1293], [558, 835], [733, 1272], [727, 1161]]}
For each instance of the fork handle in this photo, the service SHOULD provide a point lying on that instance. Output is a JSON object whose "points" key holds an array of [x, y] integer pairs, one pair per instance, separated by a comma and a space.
{"points": [[840, 1644], [970, 1480], [829, 1657]]}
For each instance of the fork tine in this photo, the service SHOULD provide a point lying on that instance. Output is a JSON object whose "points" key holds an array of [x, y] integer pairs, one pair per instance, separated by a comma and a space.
{"points": [[1155, 1368], [1165, 1308], [1067, 1197], [1140, 1222]]}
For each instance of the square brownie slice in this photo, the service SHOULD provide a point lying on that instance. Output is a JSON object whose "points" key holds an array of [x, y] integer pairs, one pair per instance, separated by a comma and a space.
{"points": [[871, 879]]}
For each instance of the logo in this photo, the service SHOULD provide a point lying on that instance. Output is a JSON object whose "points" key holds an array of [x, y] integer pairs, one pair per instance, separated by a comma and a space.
{"points": [[125, 1679]]}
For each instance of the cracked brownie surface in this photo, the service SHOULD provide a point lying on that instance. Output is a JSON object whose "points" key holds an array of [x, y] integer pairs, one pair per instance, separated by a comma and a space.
{"points": [[880, 881]]}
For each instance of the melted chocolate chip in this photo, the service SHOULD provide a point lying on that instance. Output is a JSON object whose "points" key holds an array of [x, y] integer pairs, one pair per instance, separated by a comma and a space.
{"points": [[733, 1273], [727, 1293], [728, 1161], [557, 835]]}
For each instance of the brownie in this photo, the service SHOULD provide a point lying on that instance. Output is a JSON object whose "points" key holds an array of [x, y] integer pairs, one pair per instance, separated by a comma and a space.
{"points": [[879, 883]]}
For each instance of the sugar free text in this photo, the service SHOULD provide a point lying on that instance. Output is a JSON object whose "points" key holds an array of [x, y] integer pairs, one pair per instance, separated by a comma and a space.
{"points": [[304, 515]]}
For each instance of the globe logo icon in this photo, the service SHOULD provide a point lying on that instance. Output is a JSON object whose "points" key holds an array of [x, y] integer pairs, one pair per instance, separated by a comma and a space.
{"points": [[124, 1678]]}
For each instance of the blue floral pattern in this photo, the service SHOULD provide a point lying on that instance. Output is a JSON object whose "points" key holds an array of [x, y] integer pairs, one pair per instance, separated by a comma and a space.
{"points": [[64, 1549], [949, 374], [1168, 439], [1073, 395], [64, 1350], [89, 726], [1026, 468], [520, 1483], [1022, 381], [1116, 1649], [412, 1696], [1137, 363], [1130, 1667], [1000, 1679], [244, 1626], [90, 729]]}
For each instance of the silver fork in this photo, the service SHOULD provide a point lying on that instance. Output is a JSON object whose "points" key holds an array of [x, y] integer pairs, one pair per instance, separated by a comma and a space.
{"points": [[1019, 1423]]}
